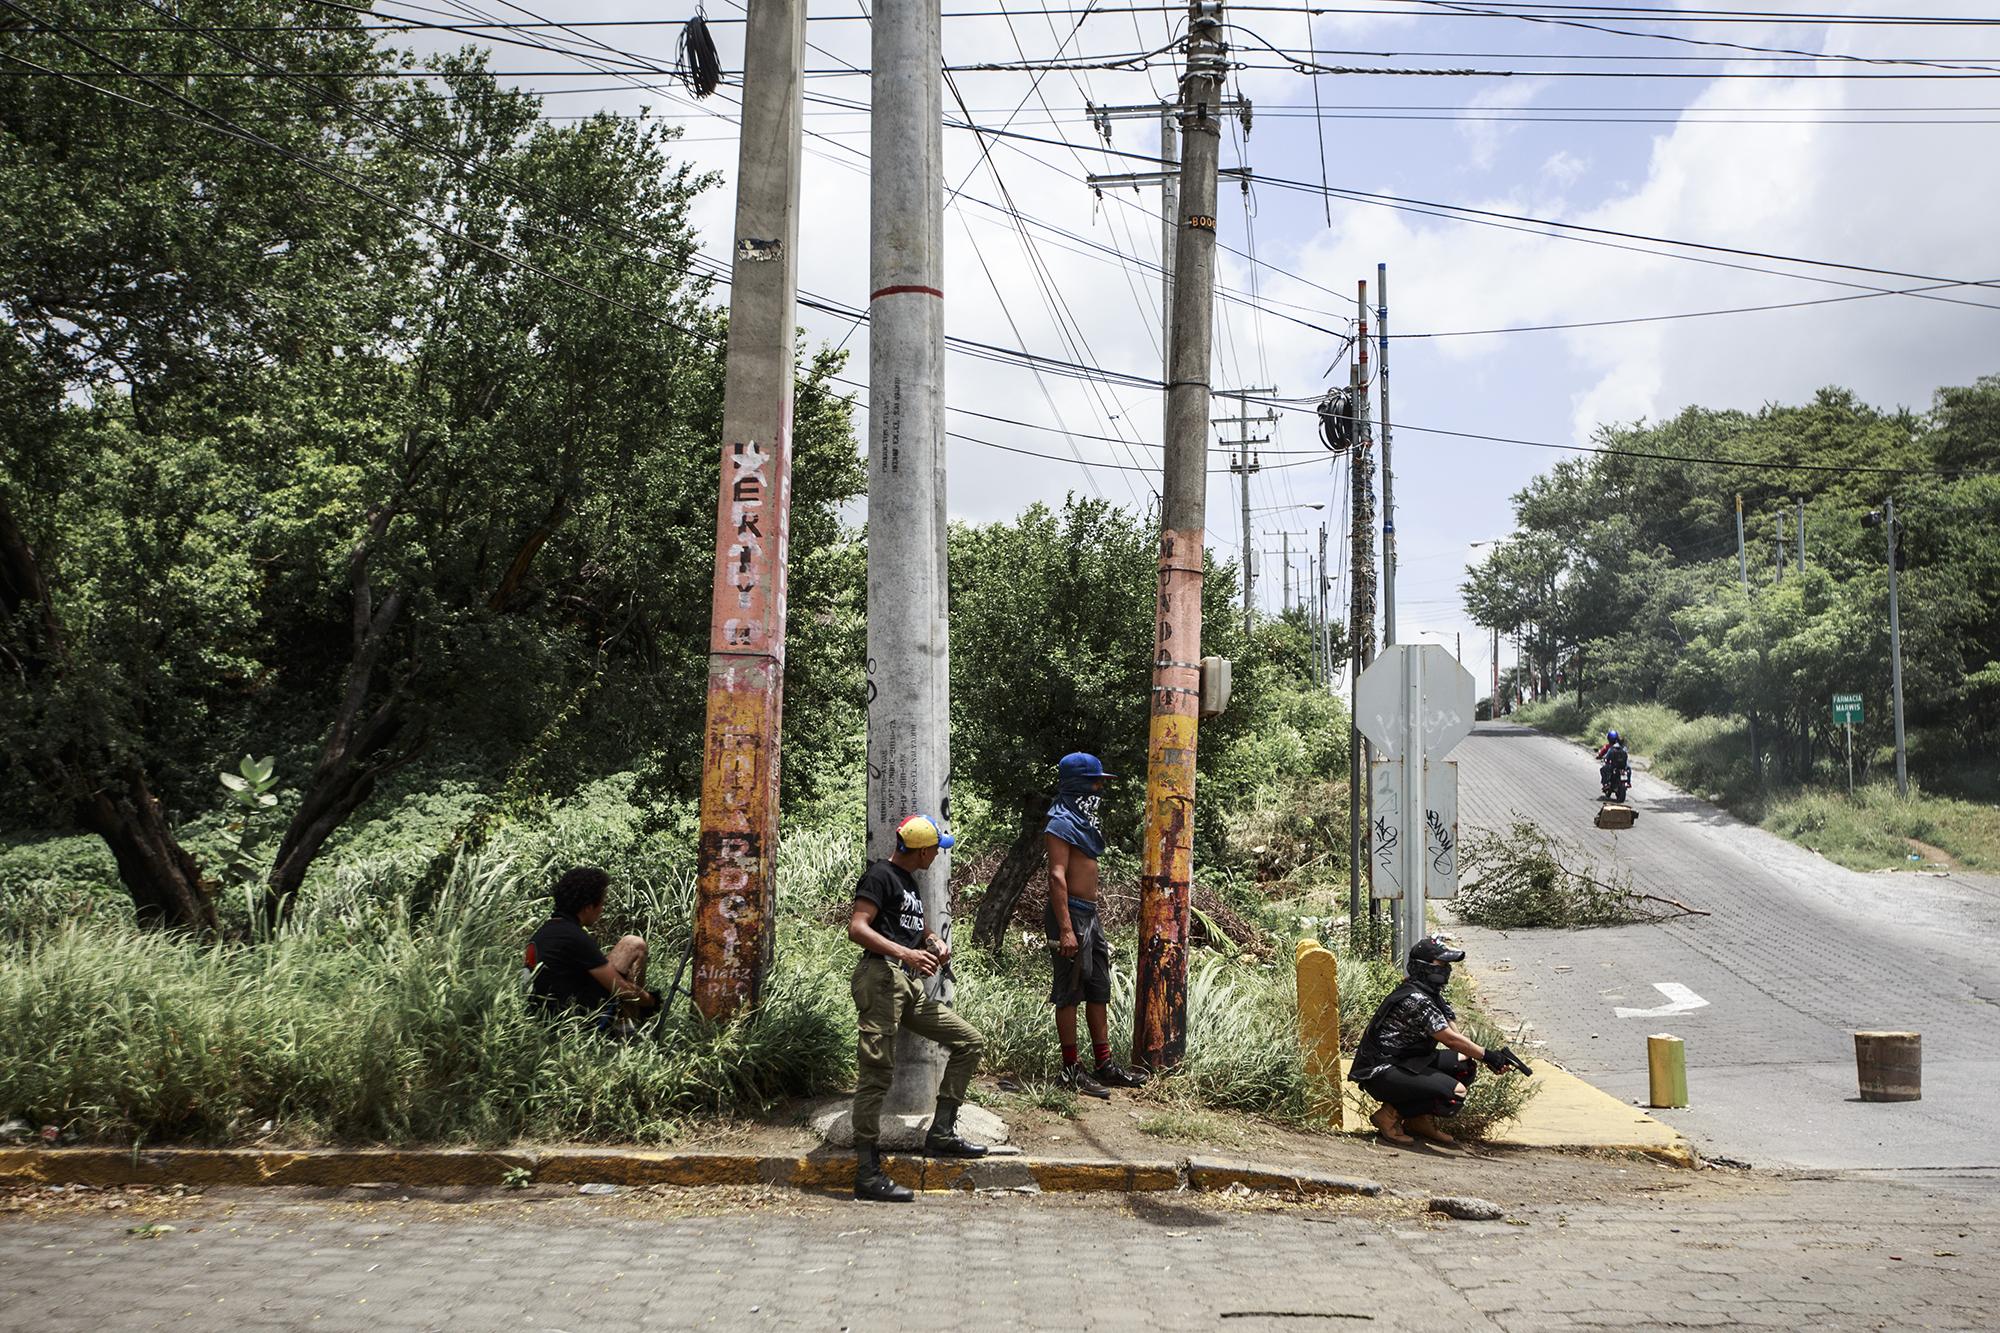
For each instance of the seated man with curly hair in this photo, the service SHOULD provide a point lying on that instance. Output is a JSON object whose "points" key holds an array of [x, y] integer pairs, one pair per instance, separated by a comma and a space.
{"points": [[569, 975]]}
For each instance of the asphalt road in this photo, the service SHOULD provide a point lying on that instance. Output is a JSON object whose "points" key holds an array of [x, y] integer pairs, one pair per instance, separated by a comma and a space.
{"points": [[1797, 955]]}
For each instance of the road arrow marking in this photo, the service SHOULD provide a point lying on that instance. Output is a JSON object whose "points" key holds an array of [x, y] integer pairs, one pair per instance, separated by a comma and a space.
{"points": [[1679, 1001]]}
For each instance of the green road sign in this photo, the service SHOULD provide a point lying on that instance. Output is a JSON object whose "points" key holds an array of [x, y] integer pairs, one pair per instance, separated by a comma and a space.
{"points": [[1846, 708]]}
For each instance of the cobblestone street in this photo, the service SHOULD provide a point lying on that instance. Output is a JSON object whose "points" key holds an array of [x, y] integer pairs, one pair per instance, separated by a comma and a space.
{"points": [[1677, 1250]]}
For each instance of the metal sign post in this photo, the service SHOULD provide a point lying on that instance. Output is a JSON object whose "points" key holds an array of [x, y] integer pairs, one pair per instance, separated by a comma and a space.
{"points": [[1847, 710], [1415, 702]]}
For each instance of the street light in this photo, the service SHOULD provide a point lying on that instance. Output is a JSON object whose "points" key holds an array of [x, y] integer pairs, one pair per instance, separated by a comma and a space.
{"points": [[1458, 642]]}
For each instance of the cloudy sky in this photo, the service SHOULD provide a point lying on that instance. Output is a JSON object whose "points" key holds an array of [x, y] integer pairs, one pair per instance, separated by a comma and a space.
{"points": [[1805, 153]]}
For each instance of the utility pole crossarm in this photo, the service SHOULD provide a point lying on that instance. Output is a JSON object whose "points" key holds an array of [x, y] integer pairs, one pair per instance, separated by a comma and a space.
{"points": [[1136, 178]]}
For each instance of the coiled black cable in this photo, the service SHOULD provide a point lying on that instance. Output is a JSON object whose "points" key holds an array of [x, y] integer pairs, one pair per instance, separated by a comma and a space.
{"points": [[695, 60], [1336, 420]]}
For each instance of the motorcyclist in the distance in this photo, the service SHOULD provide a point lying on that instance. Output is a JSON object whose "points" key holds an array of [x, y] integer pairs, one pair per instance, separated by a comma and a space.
{"points": [[1614, 761]]}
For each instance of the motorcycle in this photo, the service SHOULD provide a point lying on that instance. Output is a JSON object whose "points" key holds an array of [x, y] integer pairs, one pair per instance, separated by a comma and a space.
{"points": [[1617, 782]]}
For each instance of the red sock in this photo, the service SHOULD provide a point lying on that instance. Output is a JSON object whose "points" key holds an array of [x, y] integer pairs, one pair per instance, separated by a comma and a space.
{"points": [[1102, 1050], [1069, 1054]]}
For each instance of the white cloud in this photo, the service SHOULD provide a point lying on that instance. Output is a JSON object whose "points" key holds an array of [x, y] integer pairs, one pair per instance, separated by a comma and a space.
{"points": [[1563, 167], [1483, 137]]}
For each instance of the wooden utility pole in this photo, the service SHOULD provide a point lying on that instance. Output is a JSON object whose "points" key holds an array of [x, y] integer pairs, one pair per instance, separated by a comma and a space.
{"points": [[909, 738], [1361, 622], [1388, 467], [737, 856], [1159, 1021]]}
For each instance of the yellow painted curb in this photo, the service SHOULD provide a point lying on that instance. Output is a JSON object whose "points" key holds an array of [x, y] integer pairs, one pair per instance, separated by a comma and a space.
{"points": [[1570, 1115]]}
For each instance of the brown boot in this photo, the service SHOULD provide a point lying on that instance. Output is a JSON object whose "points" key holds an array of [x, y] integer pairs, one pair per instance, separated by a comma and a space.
{"points": [[1391, 1125], [1426, 1128]]}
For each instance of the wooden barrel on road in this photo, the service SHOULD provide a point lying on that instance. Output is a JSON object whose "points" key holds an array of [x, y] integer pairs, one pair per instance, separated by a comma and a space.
{"points": [[1890, 1065]]}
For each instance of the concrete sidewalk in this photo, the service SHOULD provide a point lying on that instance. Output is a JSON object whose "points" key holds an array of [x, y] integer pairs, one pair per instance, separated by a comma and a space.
{"points": [[1570, 1115]]}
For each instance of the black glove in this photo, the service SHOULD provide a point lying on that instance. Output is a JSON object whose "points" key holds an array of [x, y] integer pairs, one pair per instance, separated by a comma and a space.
{"points": [[657, 1002], [1500, 1059]]}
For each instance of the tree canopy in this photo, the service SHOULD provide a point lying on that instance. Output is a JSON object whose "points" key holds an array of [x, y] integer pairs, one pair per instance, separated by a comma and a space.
{"points": [[349, 418], [1623, 576]]}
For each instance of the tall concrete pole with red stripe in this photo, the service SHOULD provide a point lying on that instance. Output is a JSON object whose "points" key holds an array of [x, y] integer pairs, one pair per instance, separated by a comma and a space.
{"points": [[909, 740], [1159, 1023], [738, 854]]}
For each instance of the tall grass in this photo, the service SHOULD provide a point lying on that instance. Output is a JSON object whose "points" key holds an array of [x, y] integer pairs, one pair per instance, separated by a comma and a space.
{"points": [[361, 1021], [356, 1023]]}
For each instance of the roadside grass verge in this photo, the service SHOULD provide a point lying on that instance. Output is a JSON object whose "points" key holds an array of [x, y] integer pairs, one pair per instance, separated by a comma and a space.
{"points": [[1873, 830], [364, 1021]]}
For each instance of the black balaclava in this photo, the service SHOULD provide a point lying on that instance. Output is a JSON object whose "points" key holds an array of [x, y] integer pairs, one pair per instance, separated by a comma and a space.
{"points": [[1430, 961], [1433, 977]]}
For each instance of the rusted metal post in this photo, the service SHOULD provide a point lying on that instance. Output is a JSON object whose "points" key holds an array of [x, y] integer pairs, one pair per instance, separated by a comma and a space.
{"points": [[737, 858], [1159, 1020]]}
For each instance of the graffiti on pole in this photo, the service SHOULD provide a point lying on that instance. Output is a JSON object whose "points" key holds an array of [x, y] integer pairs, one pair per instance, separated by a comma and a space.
{"points": [[736, 855]]}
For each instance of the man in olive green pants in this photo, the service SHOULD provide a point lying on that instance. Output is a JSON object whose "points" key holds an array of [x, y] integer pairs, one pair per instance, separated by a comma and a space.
{"points": [[898, 952]]}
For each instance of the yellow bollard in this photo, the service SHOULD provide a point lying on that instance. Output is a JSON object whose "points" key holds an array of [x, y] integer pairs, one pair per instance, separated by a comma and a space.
{"points": [[1319, 1028], [1666, 1068]]}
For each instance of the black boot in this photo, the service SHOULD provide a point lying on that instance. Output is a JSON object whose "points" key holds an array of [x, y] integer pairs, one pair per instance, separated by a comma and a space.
{"points": [[943, 1139], [872, 1183]]}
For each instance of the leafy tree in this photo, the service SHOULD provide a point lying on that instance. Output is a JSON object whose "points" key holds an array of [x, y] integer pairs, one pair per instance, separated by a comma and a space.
{"points": [[402, 432], [1625, 572]]}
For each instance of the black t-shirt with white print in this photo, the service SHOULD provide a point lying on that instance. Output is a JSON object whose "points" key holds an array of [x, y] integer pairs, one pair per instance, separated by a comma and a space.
{"points": [[894, 890]]}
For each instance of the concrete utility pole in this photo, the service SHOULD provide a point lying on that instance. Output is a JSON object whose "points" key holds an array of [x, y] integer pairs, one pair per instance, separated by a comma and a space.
{"points": [[1361, 620], [1742, 557], [1743, 572], [1159, 1020], [1285, 554], [737, 857], [1245, 463], [1896, 650], [909, 740], [1323, 642], [1388, 467], [1779, 517], [1802, 536]]}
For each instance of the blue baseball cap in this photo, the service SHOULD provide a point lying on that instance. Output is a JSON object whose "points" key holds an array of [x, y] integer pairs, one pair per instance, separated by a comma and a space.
{"points": [[1081, 765]]}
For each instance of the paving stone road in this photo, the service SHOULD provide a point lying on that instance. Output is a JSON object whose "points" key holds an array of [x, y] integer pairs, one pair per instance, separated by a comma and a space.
{"points": [[1797, 955], [1836, 1253]]}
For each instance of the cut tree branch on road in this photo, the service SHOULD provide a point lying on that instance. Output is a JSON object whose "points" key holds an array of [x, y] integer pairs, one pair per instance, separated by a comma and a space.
{"points": [[1527, 877]]}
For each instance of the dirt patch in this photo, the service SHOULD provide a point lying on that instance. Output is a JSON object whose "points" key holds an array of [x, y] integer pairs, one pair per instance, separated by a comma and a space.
{"points": [[1933, 856]]}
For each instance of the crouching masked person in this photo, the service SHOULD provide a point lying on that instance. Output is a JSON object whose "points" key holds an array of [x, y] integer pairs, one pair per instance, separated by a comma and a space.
{"points": [[1412, 1060]]}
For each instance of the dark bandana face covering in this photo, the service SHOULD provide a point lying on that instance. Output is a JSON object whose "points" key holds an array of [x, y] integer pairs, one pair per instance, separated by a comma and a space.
{"points": [[1073, 816]]}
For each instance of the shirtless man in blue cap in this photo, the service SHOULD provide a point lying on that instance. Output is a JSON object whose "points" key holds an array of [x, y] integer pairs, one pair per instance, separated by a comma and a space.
{"points": [[1080, 954]]}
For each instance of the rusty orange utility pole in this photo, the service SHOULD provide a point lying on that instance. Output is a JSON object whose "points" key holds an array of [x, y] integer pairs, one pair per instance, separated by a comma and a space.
{"points": [[737, 859], [1159, 1020]]}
